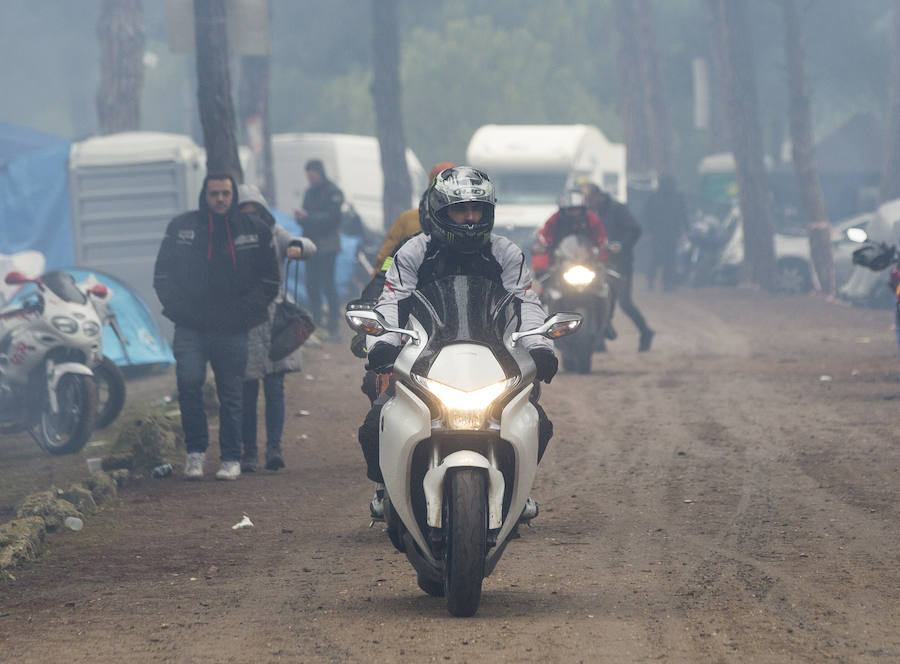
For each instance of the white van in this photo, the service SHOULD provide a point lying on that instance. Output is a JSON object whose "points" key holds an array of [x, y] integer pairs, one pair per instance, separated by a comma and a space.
{"points": [[531, 165], [352, 162]]}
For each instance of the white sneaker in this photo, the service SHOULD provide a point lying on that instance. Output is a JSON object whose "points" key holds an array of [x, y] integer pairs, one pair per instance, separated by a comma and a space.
{"points": [[193, 465], [229, 470]]}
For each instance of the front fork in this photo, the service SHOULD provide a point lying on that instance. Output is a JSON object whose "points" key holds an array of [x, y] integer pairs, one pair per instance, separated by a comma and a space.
{"points": [[434, 487]]}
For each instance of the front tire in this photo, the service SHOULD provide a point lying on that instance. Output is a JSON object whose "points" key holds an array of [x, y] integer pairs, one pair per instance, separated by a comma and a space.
{"points": [[67, 431], [465, 521], [110, 392]]}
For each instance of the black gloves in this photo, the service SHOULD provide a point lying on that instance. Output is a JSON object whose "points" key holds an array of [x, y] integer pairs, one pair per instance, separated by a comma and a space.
{"points": [[382, 356], [546, 363]]}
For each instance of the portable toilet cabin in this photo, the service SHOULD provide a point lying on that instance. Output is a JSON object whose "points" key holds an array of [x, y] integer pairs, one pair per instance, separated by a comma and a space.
{"points": [[124, 189], [352, 162]]}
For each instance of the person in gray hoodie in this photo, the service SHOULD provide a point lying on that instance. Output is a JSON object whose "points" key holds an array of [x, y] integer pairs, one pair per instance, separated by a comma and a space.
{"points": [[259, 366]]}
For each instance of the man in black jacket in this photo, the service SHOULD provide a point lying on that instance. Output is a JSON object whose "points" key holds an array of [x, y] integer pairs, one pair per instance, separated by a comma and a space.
{"points": [[321, 220], [215, 275], [622, 229]]}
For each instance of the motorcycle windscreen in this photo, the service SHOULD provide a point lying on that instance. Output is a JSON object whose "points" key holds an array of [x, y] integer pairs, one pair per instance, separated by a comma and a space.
{"points": [[64, 286], [575, 248], [465, 309]]}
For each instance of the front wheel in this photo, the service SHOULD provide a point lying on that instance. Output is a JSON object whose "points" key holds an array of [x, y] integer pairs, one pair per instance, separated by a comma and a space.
{"points": [[110, 392], [67, 430], [465, 521]]}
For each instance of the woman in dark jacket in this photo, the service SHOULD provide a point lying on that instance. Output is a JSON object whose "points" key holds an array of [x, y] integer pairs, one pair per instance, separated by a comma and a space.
{"points": [[259, 366]]}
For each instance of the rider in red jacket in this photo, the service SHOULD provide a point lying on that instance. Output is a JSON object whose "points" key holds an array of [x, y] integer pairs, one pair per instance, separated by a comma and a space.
{"points": [[572, 217]]}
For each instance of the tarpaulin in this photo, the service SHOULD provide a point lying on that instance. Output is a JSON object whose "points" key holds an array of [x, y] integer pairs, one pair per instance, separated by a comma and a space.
{"points": [[34, 196]]}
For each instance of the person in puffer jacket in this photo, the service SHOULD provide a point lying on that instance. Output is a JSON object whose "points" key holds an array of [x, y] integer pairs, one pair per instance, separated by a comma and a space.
{"points": [[259, 366], [215, 275]]}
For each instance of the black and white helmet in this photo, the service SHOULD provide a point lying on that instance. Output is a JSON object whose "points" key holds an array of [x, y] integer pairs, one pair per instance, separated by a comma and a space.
{"points": [[460, 184]]}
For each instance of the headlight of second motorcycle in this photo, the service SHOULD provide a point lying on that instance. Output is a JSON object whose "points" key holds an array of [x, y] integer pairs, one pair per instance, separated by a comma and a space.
{"points": [[65, 324], [90, 329], [465, 410], [579, 275]]}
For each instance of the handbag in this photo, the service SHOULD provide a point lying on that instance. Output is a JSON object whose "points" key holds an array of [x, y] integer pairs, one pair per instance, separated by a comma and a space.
{"points": [[292, 324]]}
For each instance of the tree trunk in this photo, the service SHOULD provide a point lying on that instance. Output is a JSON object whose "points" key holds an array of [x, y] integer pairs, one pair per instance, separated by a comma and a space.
{"points": [[388, 115], [746, 139], [653, 97], [121, 33], [632, 108], [253, 108], [890, 174], [214, 89], [812, 200]]}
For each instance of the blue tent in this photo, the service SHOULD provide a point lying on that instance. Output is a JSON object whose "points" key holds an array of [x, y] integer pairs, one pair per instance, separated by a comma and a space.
{"points": [[145, 342], [34, 196]]}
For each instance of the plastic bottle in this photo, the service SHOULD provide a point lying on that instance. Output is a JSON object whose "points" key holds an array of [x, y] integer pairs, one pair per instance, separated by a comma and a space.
{"points": [[162, 470], [74, 523]]}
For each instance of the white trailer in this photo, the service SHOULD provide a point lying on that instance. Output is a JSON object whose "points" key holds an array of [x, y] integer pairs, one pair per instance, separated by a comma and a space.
{"points": [[531, 165], [352, 162]]}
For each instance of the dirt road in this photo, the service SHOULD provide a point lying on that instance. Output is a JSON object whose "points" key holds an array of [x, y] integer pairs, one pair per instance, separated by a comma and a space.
{"points": [[714, 500]]}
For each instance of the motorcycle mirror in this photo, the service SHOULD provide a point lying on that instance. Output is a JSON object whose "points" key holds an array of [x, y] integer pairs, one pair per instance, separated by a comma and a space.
{"points": [[562, 325], [367, 322], [374, 324], [16, 278], [99, 290], [558, 325]]}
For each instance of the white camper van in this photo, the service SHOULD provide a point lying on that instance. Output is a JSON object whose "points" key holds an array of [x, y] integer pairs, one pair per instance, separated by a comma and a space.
{"points": [[124, 190], [531, 165], [352, 162]]}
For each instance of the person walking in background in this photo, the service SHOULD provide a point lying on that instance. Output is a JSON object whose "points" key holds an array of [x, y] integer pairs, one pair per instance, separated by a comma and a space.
{"points": [[259, 366], [215, 275], [320, 217], [623, 231], [666, 217]]}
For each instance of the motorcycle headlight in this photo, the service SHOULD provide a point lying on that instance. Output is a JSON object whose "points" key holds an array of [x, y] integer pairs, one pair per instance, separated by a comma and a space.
{"points": [[579, 275], [856, 234], [465, 410], [90, 329], [65, 324]]}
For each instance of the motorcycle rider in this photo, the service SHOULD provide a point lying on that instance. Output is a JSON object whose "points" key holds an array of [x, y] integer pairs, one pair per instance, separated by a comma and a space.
{"points": [[572, 217], [624, 230], [458, 215]]}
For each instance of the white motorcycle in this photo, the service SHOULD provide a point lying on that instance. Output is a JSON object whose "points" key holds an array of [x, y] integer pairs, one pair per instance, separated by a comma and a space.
{"points": [[459, 437], [49, 338]]}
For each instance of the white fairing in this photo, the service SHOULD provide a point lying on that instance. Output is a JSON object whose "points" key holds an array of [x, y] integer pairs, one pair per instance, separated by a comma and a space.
{"points": [[466, 367], [519, 426], [405, 421]]}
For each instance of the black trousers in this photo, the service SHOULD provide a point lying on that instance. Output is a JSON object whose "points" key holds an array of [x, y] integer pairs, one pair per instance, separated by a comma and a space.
{"points": [[621, 292], [368, 432], [319, 282]]}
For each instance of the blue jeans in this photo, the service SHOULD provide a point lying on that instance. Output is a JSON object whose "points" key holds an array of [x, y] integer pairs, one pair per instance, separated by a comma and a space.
{"points": [[273, 385], [226, 352]]}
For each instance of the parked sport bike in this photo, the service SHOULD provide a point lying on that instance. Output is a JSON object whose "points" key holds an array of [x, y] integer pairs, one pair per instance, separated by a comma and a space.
{"points": [[459, 436], [49, 338], [578, 281]]}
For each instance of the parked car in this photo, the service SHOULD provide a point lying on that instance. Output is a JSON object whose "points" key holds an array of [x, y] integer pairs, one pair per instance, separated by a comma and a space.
{"points": [[793, 264], [865, 287]]}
